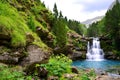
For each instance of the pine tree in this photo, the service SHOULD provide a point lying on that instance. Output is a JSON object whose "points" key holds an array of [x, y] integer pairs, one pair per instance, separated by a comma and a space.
{"points": [[55, 10], [112, 20]]}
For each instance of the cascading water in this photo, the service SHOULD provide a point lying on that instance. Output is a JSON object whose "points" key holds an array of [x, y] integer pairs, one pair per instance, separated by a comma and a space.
{"points": [[94, 52]]}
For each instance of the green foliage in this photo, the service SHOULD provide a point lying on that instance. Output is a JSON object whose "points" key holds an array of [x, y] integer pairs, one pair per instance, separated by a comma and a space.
{"points": [[12, 22], [31, 23], [77, 27], [85, 77], [55, 10], [59, 27], [112, 20], [7, 73], [16, 25], [60, 31], [58, 65], [96, 29]]}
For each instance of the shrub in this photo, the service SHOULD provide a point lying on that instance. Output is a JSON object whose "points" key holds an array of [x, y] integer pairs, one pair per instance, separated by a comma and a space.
{"points": [[58, 65], [7, 73]]}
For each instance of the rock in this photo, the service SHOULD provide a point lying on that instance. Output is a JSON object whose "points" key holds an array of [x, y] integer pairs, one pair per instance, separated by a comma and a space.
{"points": [[53, 78], [65, 50], [69, 76], [42, 33], [29, 38], [75, 70], [100, 72], [35, 55], [77, 55], [5, 37], [111, 55], [7, 58], [42, 72], [11, 56]]}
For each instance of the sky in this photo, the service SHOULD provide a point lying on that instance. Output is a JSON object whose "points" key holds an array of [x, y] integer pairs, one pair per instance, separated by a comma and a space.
{"points": [[80, 10]]}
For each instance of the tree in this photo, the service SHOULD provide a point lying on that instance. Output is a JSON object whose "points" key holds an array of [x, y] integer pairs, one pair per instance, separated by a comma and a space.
{"points": [[55, 10], [112, 20], [59, 27]]}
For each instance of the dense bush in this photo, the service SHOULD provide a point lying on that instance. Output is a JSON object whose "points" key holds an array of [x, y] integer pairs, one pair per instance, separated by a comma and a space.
{"points": [[7, 73], [58, 65]]}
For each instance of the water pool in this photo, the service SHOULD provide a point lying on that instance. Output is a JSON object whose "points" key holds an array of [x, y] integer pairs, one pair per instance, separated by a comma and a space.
{"points": [[104, 64]]}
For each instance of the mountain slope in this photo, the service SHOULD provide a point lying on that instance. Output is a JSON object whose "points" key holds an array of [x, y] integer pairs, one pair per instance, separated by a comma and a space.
{"points": [[90, 21]]}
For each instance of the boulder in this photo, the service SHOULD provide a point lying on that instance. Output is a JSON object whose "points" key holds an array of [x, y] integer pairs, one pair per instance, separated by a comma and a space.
{"points": [[77, 55], [75, 70], [42, 72], [65, 50], [7, 58], [35, 54]]}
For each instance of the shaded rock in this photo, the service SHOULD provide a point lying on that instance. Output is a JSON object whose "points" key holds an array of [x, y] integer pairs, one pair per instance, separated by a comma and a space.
{"points": [[42, 72], [42, 33], [7, 58], [77, 55], [29, 38], [65, 50], [45, 35], [5, 37], [75, 70], [111, 55]]}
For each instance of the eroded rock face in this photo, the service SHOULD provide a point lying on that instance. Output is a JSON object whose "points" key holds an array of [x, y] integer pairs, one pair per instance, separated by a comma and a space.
{"points": [[9, 56], [5, 37], [35, 55]]}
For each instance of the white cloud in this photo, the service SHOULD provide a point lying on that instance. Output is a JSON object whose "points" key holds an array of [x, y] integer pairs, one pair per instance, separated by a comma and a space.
{"points": [[80, 10]]}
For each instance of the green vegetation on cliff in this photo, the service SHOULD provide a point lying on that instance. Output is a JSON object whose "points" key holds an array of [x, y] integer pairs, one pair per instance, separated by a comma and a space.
{"points": [[14, 24]]}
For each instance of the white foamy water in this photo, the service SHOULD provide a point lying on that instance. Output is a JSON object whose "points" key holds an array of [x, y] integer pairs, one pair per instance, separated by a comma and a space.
{"points": [[94, 51]]}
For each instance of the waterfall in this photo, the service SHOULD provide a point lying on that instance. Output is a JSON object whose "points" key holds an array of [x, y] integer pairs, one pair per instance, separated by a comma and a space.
{"points": [[94, 52]]}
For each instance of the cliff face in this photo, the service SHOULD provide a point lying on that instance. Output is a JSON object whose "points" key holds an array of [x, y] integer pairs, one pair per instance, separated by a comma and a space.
{"points": [[24, 29]]}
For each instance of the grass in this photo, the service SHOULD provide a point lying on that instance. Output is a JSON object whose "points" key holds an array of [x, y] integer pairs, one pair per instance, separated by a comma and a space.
{"points": [[15, 25]]}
